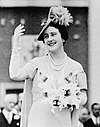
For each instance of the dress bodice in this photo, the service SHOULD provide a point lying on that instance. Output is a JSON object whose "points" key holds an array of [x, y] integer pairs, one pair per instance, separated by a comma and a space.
{"points": [[48, 82]]}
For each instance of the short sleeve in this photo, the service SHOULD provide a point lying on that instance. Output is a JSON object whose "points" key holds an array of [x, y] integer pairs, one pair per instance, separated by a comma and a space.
{"points": [[81, 76]]}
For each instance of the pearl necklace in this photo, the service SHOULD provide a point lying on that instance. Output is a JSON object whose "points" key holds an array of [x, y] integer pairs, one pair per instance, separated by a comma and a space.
{"points": [[55, 66]]}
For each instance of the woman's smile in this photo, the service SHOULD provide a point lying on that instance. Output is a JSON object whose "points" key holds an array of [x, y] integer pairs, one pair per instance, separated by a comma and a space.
{"points": [[51, 43], [53, 39]]}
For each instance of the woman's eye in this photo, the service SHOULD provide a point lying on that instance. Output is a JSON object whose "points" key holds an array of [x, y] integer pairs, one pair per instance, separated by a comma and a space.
{"points": [[45, 36], [53, 34]]}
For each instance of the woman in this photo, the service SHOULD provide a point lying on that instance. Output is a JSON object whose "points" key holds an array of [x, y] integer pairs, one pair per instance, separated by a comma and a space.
{"points": [[59, 83]]}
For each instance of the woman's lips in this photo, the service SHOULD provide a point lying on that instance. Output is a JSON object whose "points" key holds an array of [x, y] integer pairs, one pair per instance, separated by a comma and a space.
{"points": [[51, 43]]}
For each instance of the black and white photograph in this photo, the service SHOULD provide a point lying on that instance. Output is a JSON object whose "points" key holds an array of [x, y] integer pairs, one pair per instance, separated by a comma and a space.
{"points": [[49, 63]]}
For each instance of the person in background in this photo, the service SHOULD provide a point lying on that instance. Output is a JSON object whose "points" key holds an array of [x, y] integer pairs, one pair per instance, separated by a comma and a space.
{"points": [[95, 114], [7, 117], [20, 102], [18, 107], [58, 84], [94, 120], [84, 116]]}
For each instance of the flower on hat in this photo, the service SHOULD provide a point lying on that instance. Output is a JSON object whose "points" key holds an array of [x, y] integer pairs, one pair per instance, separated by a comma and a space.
{"points": [[59, 14]]}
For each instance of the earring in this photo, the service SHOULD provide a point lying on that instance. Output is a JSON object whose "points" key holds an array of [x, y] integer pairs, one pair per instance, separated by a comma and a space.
{"points": [[63, 40]]}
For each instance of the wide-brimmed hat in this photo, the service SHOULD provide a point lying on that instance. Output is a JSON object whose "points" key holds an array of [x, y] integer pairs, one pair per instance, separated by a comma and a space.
{"points": [[57, 14]]}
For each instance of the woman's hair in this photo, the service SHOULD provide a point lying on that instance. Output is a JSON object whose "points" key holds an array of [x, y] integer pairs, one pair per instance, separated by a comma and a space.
{"points": [[58, 17], [62, 29]]}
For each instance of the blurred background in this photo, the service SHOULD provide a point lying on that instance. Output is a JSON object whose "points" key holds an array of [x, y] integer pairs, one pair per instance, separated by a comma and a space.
{"points": [[83, 44]]}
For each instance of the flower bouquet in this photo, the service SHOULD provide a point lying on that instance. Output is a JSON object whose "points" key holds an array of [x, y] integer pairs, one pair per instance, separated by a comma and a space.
{"points": [[67, 95]]}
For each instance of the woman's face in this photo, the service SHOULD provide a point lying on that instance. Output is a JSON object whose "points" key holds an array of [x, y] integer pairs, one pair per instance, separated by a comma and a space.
{"points": [[53, 39]]}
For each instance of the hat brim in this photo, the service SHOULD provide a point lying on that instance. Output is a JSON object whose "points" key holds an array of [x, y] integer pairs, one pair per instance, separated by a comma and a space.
{"points": [[40, 36]]}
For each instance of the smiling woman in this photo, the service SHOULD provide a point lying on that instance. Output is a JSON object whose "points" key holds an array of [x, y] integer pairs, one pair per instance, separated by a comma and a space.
{"points": [[56, 83]]}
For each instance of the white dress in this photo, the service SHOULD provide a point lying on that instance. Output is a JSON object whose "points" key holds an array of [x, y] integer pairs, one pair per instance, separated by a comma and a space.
{"points": [[41, 113]]}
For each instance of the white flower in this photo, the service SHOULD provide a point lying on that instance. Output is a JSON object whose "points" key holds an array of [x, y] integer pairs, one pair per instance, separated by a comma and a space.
{"points": [[65, 96], [61, 15], [16, 117]]}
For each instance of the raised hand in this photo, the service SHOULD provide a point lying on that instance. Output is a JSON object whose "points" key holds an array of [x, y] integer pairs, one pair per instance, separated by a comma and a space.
{"points": [[18, 32]]}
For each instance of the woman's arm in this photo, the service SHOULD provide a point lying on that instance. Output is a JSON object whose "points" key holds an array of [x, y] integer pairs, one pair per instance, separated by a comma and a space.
{"points": [[15, 70]]}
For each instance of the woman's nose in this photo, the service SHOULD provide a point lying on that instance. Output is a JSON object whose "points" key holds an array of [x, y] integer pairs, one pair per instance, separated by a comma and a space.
{"points": [[49, 38]]}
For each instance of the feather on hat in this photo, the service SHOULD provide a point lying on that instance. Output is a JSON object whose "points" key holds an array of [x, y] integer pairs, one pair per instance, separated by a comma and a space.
{"points": [[57, 14]]}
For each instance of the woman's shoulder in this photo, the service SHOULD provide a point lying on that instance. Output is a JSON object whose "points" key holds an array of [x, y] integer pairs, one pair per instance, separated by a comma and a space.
{"points": [[73, 66], [73, 62], [38, 60]]}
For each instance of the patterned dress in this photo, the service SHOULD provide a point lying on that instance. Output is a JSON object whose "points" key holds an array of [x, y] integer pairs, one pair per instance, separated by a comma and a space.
{"points": [[51, 78]]}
